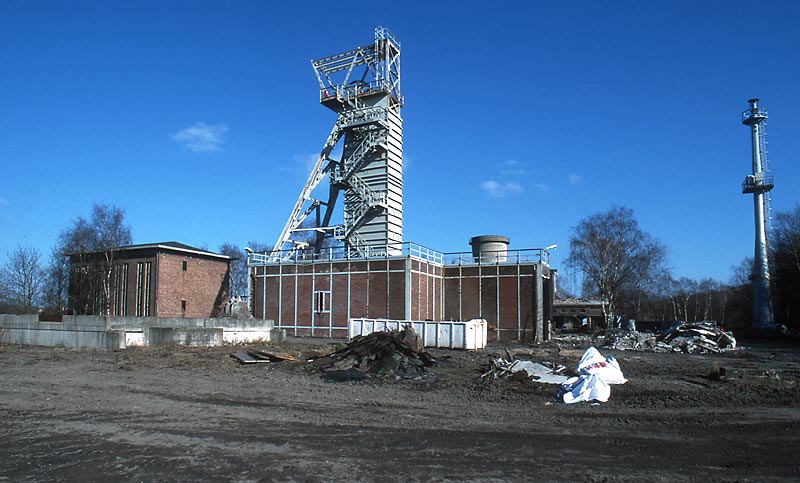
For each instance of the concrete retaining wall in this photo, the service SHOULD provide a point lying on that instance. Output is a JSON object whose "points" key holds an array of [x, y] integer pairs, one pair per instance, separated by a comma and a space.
{"points": [[97, 332], [27, 330]]}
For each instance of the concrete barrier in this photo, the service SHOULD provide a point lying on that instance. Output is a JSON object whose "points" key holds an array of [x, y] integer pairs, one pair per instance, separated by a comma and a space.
{"points": [[98, 332], [189, 336], [27, 330], [470, 335]]}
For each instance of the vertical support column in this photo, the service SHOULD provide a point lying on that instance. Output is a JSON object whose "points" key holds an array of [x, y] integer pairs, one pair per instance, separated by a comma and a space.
{"points": [[407, 289], [249, 288], [547, 302], [759, 185], [519, 302], [538, 306]]}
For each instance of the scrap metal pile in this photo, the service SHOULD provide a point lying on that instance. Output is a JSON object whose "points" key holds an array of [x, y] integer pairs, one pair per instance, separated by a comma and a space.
{"points": [[702, 337], [394, 353]]}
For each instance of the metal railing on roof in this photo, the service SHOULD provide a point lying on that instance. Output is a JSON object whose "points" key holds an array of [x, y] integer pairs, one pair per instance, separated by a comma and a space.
{"points": [[526, 255], [402, 250]]}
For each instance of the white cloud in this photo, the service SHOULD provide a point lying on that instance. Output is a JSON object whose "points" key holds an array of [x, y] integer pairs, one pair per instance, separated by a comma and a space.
{"points": [[301, 165], [499, 190], [574, 179], [307, 161], [541, 187], [511, 167], [202, 137]]}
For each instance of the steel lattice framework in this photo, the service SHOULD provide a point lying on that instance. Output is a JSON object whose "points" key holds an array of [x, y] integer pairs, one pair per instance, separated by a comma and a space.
{"points": [[363, 87]]}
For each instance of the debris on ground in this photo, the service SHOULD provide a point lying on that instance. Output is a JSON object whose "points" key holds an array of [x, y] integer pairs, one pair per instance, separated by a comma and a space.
{"points": [[595, 375], [745, 375], [547, 373], [392, 353], [699, 337], [702, 337], [253, 356]]}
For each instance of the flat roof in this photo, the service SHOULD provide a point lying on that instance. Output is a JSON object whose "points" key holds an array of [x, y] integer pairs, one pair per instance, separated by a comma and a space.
{"points": [[169, 246]]}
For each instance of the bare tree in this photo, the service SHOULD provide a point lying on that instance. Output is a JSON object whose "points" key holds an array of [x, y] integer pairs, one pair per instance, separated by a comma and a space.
{"points": [[786, 237], [238, 268], [259, 247], [22, 279], [55, 291], [786, 267], [615, 255], [94, 243]]}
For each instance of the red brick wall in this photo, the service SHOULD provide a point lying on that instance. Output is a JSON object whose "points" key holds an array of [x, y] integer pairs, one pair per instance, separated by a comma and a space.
{"points": [[372, 289], [503, 295], [426, 291], [160, 288], [203, 285]]}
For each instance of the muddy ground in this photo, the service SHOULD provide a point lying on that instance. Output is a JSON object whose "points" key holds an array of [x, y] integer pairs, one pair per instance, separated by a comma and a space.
{"points": [[182, 414]]}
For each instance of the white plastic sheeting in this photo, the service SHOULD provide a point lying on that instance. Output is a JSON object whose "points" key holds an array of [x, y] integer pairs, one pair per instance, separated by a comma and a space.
{"points": [[596, 374], [538, 372]]}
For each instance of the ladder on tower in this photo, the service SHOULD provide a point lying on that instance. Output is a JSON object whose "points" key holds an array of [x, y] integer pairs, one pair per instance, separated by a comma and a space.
{"points": [[762, 146]]}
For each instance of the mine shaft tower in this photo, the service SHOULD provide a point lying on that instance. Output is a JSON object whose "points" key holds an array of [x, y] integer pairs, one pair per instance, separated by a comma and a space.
{"points": [[759, 184], [363, 87]]}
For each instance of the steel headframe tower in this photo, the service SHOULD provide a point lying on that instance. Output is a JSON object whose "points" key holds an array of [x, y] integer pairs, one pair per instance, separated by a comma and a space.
{"points": [[363, 87], [759, 184]]}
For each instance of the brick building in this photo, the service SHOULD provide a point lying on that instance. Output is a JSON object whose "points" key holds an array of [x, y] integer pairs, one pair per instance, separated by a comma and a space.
{"points": [[576, 313], [167, 279], [317, 295]]}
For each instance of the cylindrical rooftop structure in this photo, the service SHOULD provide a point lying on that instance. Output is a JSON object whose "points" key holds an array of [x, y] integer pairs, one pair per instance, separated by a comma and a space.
{"points": [[489, 248]]}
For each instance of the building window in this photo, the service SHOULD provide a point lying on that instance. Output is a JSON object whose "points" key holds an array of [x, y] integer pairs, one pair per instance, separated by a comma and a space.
{"points": [[139, 287], [147, 290], [183, 308], [143, 289], [124, 291], [118, 290], [183, 265], [322, 301]]}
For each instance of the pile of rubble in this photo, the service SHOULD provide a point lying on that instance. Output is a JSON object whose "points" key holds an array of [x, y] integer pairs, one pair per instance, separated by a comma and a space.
{"points": [[394, 353], [592, 381], [701, 337], [546, 372]]}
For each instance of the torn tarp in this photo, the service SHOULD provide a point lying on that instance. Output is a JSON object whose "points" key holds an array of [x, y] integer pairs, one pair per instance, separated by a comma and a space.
{"points": [[596, 373]]}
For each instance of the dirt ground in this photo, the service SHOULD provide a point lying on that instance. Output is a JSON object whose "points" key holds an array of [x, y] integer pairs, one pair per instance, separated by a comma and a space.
{"points": [[180, 414]]}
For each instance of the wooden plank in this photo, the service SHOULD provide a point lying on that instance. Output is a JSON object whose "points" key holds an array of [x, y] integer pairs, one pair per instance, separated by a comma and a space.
{"points": [[245, 358]]}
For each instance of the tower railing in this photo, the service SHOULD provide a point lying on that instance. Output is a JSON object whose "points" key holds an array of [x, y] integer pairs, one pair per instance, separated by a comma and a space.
{"points": [[402, 250], [757, 183], [367, 115], [354, 90], [753, 115]]}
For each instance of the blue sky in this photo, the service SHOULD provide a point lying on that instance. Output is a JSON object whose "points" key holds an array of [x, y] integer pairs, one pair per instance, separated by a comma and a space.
{"points": [[521, 118]]}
